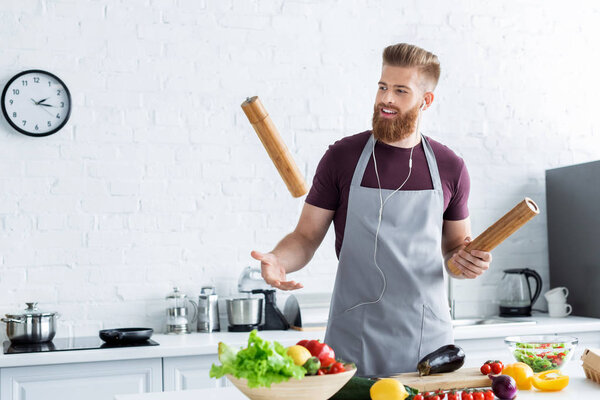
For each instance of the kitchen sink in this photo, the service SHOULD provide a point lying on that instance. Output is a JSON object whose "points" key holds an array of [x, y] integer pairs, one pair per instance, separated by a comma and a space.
{"points": [[474, 322]]}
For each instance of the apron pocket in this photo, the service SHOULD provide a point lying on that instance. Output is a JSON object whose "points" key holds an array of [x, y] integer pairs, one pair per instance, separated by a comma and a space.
{"points": [[436, 331], [344, 334]]}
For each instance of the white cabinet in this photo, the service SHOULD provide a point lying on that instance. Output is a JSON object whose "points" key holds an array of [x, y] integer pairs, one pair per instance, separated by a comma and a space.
{"points": [[190, 372], [89, 381]]}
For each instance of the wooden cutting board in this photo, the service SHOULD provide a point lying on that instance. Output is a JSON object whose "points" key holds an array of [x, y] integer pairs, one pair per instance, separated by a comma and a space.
{"points": [[460, 379]]}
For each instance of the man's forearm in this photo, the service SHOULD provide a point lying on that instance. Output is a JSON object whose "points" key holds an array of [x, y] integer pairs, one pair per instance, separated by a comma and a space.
{"points": [[294, 251]]}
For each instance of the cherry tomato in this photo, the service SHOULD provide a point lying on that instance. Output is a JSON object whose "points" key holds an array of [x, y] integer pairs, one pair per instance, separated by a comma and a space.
{"points": [[327, 362], [478, 396], [434, 397], [440, 393], [320, 372], [486, 369], [488, 395], [466, 396], [303, 343], [418, 397], [496, 368], [500, 362], [453, 396], [336, 368], [426, 394]]}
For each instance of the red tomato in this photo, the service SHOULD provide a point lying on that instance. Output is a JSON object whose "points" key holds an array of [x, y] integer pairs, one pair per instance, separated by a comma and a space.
{"points": [[336, 368], [478, 396], [440, 393], [435, 397], [327, 362], [453, 396], [486, 369], [501, 364], [302, 343], [320, 372], [496, 368], [418, 397], [488, 395], [319, 350], [466, 396]]}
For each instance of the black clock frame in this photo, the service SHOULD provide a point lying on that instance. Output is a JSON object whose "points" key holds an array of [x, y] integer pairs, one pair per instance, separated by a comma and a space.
{"points": [[16, 127]]}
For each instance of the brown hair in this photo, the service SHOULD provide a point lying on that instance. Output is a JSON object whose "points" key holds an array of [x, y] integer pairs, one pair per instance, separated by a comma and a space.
{"points": [[408, 55]]}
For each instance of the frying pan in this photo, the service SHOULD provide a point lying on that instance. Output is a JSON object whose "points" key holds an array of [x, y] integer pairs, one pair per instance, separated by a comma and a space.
{"points": [[125, 335]]}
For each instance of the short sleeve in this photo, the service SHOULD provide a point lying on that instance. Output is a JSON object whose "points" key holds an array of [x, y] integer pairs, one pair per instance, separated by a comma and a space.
{"points": [[325, 191], [458, 208]]}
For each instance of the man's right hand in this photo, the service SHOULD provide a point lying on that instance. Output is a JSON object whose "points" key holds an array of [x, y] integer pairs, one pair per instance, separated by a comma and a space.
{"points": [[273, 272]]}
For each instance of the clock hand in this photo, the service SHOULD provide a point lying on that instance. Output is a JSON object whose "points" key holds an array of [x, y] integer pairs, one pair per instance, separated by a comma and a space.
{"points": [[34, 102], [52, 115], [46, 105], [43, 100]]}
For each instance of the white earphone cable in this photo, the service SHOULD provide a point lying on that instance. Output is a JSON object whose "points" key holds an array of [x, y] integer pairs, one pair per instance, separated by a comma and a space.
{"points": [[381, 204]]}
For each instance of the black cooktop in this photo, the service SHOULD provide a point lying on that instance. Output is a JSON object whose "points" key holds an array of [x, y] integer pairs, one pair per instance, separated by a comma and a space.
{"points": [[66, 344]]}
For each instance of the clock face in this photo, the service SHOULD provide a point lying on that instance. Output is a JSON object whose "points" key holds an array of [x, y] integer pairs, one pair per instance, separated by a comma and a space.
{"points": [[36, 103]]}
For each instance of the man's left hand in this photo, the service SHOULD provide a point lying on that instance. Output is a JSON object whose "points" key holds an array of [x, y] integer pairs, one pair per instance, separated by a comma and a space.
{"points": [[473, 263]]}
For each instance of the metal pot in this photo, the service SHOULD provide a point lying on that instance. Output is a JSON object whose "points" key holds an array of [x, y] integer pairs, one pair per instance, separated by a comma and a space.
{"points": [[31, 326], [245, 311]]}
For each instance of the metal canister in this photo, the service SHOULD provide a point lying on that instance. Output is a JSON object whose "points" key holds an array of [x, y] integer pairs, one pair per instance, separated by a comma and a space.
{"points": [[208, 310]]}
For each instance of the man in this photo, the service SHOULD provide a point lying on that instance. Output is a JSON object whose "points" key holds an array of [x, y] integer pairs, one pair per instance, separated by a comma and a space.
{"points": [[398, 201]]}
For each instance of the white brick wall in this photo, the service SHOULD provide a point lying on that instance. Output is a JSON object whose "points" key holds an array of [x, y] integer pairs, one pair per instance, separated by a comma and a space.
{"points": [[158, 179]]}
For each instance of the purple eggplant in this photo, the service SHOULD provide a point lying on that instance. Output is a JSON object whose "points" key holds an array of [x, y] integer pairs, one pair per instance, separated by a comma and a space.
{"points": [[447, 358]]}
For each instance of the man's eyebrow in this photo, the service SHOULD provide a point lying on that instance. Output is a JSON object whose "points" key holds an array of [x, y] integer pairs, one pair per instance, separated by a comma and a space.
{"points": [[397, 86]]}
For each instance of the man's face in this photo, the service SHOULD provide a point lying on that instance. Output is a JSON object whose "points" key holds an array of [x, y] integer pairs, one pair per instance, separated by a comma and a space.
{"points": [[397, 103]]}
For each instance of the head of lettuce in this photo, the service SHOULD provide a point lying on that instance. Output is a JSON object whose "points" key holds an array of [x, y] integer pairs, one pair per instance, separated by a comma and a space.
{"points": [[262, 363]]}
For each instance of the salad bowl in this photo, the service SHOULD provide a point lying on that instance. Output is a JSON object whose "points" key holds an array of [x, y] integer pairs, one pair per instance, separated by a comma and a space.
{"points": [[315, 387], [542, 352]]}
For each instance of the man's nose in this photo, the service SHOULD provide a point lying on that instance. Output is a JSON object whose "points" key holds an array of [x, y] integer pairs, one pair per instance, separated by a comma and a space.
{"points": [[388, 97]]}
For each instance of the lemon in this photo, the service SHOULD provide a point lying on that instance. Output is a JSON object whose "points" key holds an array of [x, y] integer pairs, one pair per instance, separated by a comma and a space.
{"points": [[388, 389], [299, 354]]}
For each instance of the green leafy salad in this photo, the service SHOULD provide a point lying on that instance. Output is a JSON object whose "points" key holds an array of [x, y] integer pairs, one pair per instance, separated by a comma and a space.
{"points": [[262, 363], [541, 356]]}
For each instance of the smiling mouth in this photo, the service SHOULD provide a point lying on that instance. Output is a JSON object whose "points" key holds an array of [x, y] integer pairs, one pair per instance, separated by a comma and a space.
{"points": [[388, 111]]}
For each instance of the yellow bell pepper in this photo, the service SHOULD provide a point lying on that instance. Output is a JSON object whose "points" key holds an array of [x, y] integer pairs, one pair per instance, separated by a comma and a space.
{"points": [[552, 380], [521, 373]]}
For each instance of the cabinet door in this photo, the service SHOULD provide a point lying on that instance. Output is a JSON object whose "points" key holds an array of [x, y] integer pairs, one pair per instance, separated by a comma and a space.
{"points": [[190, 372], [90, 381]]}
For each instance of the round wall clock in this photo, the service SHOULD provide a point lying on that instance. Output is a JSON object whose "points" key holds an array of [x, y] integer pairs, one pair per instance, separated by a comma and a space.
{"points": [[36, 103]]}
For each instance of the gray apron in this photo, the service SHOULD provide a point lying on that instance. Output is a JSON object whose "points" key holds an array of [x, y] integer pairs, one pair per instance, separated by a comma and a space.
{"points": [[412, 317]]}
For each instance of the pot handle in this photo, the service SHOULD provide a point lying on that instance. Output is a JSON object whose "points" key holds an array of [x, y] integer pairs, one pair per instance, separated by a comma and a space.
{"points": [[7, 320]]}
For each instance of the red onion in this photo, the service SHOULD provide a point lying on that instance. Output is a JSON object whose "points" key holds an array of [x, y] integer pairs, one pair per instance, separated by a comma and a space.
{"points": [[504, 387]]}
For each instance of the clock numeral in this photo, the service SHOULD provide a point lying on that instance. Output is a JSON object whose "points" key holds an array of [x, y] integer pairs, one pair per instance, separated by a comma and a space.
{"points": [[24, 83], [16, 91], [14, 115], [36, 79], [58, 116], [37, 128], [10, 101], [49, 124], [49, 83], [62, 104], [58, 92], [24, 122]]}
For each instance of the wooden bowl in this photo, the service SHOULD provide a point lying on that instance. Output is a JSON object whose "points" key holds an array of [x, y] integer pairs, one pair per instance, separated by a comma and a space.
{"points": [[315, 387]]}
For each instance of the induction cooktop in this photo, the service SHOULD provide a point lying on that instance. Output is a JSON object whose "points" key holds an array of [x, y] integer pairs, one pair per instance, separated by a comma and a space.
{"points": [[72, 343]]}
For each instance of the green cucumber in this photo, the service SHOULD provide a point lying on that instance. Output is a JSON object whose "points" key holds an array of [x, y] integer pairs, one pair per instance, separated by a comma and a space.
{"points": [[359, 388]]}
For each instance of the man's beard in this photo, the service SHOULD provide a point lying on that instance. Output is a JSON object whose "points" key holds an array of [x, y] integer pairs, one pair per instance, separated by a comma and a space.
{"points": [[394, 129]]}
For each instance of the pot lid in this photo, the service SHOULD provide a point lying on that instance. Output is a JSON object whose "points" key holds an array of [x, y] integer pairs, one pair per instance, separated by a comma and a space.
{"points": [[176, 294], [31, 310]]}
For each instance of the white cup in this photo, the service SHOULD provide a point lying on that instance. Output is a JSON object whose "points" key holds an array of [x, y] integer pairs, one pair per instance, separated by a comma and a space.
{"points": [[559, 310], [557, 295]]}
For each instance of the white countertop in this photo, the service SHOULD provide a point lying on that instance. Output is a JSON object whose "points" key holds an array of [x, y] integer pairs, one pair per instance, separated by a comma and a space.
{"points": [[206, 343], [579, 388]]}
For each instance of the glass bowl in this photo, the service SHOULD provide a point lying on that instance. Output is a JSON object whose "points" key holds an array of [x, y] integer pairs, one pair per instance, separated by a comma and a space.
{"points": [[542, 352]]}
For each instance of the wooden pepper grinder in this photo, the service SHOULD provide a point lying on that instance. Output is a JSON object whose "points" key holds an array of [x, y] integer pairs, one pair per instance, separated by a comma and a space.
{"points": [[275, 146], [501, 229]]}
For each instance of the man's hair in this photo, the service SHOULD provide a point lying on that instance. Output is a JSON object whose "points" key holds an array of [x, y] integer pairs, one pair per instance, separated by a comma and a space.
{"points": [[408, 55]]}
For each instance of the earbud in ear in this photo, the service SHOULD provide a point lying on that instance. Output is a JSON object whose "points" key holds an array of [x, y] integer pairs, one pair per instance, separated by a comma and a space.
{"points": [[423, 106]]}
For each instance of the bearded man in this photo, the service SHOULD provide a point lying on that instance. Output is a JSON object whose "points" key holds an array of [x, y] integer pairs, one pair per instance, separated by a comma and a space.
{"points": [[398, 202]]}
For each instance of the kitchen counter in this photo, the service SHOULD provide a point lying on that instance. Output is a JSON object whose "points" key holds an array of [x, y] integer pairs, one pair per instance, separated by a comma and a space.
{"points": [[206, 343], [579, 388]]}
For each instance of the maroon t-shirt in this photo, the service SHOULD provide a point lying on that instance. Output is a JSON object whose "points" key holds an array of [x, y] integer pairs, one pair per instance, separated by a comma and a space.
{"points": [[331, 184]]}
